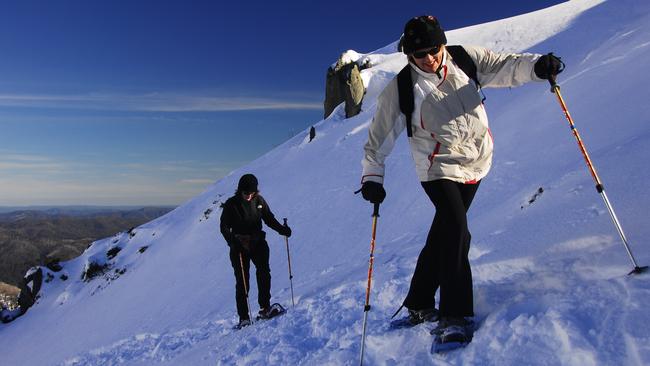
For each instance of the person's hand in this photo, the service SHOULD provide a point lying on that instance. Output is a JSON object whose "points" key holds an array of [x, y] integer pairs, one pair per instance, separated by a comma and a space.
{"points": [[548, 66], [373, 192], [285, 230]]}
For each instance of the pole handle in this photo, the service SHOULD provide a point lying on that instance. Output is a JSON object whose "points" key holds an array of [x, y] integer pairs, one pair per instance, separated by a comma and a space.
{"points": [[554, 86], [375, 211], [285, 221]]}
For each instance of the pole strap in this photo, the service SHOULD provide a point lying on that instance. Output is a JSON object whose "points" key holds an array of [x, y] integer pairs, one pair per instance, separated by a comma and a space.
{"points": [[397, 312]]}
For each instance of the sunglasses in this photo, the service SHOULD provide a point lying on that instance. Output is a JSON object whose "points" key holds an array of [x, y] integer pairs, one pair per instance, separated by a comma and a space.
{"points": [[422, 54]]}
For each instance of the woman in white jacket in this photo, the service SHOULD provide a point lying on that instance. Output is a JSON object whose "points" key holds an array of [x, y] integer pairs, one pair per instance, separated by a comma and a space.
{"points": [[451, 144]]}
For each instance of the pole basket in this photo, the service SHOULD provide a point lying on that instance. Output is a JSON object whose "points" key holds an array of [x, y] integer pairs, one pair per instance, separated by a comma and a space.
{"points": [[638, 270]]}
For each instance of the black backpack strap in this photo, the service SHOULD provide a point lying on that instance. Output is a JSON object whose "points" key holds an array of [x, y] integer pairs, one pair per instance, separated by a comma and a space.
{"points": [[405, 83], [465, 62], [406, 97]]}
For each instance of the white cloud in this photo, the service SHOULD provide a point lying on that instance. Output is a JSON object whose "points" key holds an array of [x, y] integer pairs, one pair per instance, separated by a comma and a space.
{"points": [[154, 102], [33, 179], [33, 191], [26, 162], [30, 166], [25, 157], [197, 181]]}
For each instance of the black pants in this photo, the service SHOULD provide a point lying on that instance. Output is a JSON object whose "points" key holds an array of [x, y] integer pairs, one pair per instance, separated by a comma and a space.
{"points": [[259, 255], [443, 261]]}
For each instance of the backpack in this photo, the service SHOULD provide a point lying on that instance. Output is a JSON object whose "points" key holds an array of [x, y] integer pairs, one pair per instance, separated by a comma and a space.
{"points": [[405, 83]]}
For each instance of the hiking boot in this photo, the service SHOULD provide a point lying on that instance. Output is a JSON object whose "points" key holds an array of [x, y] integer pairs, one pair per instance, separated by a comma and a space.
{"points": [[243, 323], [423, 315], [454, 328], [271, 311], [264, 313]]}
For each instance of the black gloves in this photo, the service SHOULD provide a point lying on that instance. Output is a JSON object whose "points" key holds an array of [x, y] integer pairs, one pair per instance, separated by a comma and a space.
{"points": [[373, 192], [548, 66], [285, 230]]}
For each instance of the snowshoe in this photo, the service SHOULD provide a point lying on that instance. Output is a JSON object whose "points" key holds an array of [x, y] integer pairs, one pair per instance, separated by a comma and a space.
{"points": [[444, 323], [451, 334], [271, 312], [414, 318]]}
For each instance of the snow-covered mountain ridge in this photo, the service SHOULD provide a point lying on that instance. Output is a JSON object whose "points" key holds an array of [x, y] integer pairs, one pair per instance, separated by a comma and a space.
{"points": [[549, 275]]}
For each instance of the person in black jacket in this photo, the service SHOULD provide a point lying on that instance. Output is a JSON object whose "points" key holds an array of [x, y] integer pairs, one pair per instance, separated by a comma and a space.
{"points": [[241, 226]]}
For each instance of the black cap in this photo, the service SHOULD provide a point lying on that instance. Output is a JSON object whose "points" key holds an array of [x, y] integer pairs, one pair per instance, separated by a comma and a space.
{"points": [[247, 183], [421, 33]]}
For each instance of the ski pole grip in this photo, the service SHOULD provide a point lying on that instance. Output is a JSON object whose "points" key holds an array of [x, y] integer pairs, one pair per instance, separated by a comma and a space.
{"points": [[375, 211], [285, 221], [551, 80]]}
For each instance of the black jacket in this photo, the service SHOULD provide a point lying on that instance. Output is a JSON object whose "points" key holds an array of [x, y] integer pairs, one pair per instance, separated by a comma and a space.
{"points": [[241, 217]]}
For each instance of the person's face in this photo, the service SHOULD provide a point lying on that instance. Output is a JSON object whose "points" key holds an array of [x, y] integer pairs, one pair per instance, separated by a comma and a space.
{"points": [[248, 195], [428, 59]]}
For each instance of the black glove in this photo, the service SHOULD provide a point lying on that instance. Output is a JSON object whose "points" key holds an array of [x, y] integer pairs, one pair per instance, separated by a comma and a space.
{"points": [[373, 192], [548, 66], [285, 230]]}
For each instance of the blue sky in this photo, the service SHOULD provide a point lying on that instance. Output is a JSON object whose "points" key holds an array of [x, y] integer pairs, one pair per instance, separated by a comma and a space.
{"points": [[147, 102]]}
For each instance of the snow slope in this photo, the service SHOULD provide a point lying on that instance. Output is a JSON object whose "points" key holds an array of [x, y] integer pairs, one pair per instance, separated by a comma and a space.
{"points": [[550, 276]]}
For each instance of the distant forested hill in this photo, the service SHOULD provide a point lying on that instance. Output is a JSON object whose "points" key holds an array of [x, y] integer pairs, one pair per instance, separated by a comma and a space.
{"points": [[36, 237]]}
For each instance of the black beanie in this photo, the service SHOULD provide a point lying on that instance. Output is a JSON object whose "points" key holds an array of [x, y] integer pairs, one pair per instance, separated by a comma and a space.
{"points": [[247, 183], [422, 32]]}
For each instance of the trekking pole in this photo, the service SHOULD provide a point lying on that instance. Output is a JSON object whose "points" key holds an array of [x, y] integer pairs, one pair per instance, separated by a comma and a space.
{"points": [[243, 277], [599, 185], [286, 240], [366, 308]]}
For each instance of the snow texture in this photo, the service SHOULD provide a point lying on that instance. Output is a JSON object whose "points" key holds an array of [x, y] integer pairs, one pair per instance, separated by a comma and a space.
{"points": [[549, 275]]}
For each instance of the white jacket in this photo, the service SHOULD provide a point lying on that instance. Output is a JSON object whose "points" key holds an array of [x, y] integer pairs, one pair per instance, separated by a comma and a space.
{"points": [[451, 136]]}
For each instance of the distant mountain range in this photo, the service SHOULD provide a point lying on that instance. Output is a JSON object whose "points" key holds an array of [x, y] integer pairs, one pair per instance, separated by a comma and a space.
{"points": [[30, 236], [74, 209]]}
